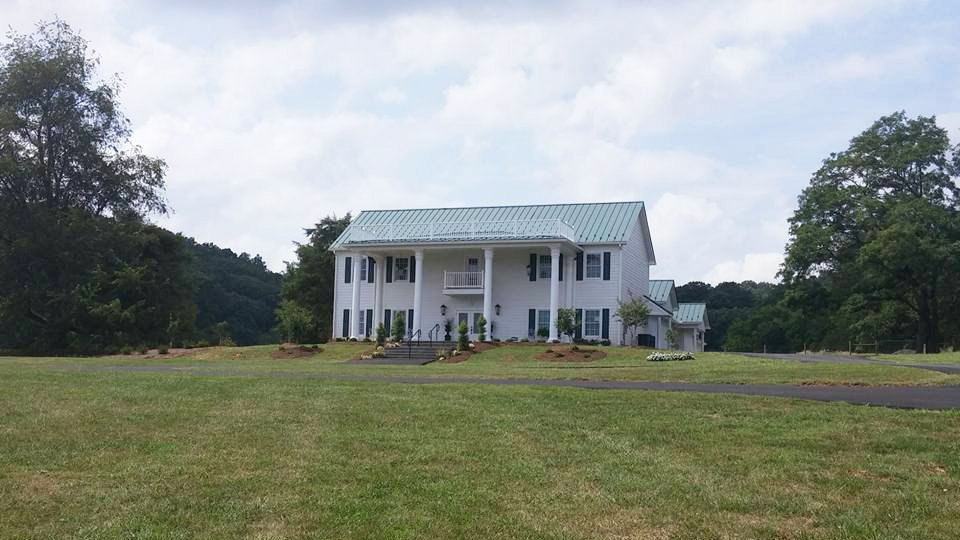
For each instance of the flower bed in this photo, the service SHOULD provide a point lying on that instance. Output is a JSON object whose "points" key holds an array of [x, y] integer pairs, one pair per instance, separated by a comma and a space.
{"points": [[669, 356]]}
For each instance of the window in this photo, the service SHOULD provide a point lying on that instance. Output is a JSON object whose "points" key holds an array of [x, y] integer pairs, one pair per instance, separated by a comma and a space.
{"points": [[543, 267], [591, 323], [543, 319], [363, 322], [401, 269], [476, 322], [594, 266], [363, 269], [473, 264], [402, 315]]}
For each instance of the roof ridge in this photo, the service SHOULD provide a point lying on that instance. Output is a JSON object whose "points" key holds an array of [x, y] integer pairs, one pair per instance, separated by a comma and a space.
{"points": [[496, 206]]}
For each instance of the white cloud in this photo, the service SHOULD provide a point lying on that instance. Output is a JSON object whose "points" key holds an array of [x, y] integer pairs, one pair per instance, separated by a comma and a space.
{"points": [[752, 266]]}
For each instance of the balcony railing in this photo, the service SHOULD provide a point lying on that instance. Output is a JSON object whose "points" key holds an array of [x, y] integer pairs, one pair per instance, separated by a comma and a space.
{"points": [[463, 280], [516, 229]]}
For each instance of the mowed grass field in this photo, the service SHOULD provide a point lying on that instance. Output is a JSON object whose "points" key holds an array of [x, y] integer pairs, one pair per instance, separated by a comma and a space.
{"points": [[226, 448]]}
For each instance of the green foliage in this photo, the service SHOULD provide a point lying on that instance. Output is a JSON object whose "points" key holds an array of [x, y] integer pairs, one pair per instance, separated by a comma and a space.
{"points": [[877, 233], [463, 339], [399, 329], [482, 328], [543, 332], [381, 334], [294, 322], [633, 314], [567, 323], [671, 337], [310, 280], [728, 302]]}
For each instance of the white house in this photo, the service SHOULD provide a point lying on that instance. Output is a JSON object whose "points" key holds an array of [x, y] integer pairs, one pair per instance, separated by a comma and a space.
{"points": [[688, 320], [515, 265]]}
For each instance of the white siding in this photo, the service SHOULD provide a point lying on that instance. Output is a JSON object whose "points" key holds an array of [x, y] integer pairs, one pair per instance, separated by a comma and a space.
{"points": [[512, 289], [636, 264]]}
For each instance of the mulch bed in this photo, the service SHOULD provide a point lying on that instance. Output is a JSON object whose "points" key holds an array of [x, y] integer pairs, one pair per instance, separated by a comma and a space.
{"points": [[567, 354], [294, 351], [460, 357]]}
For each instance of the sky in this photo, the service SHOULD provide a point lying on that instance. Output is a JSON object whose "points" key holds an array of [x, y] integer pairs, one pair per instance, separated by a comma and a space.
{"points": [[272, 115]]}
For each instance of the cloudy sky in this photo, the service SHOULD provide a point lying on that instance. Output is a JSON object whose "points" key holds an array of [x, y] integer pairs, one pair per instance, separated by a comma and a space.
{"points": [[272, 115]]}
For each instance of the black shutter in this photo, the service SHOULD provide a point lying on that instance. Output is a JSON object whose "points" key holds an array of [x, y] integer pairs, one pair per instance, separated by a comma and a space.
{"points": [[580, 266], [578, 335], [532, 323], [370, 265], [347, 269], [369, 321], [561, 267], [346, 323], [388, 322], [409, 321], [605, 322], [389, 269], [412, 269], [533, 267], [606, 266]]}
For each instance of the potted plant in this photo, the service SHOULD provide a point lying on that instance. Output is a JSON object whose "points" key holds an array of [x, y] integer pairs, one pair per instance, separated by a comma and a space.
{"points": [[447, 328]]}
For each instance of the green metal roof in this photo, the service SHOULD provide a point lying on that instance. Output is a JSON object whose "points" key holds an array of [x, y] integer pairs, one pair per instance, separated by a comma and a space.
{"points": [[691, 313], [660, 290], [593, 223]]}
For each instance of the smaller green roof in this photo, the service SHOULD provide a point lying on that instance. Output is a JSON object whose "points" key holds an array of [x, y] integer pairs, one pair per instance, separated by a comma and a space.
{"points": [[691, 313], [660, 290]]}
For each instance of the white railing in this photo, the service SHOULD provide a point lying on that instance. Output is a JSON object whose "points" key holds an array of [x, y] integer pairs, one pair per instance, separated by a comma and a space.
{"points": [[463, 280], [516, 229]]}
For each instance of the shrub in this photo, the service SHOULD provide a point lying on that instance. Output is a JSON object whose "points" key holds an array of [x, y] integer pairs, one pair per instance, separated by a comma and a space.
{"points": [[399, 328], [163, 349], [126, 349], [482, 327], [143, 349], [669, 356], [442, 354], [463, 342], [567, 322], [381, 334], [543, 332], [202, 343], [605, 342]]}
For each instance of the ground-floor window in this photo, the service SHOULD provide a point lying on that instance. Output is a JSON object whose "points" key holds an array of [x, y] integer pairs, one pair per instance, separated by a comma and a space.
{"points": [[543, 320], [591, 323]]}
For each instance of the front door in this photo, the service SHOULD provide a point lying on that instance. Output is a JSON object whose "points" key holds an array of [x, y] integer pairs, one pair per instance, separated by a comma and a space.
{"points": [[471, 319]]}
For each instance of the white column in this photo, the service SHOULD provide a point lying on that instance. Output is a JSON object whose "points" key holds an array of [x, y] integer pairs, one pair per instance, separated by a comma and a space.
{"points": [[378, 273], [554, 290], [355, 304], [417, 290], [488, 290]]}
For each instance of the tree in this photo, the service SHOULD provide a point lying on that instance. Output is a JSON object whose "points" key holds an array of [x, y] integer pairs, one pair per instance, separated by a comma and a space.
{"points": [[567, 323], [293, 321], [633, 314], [222, 331], [880, 220], [381, 334], [310, 280], [399, 328]]}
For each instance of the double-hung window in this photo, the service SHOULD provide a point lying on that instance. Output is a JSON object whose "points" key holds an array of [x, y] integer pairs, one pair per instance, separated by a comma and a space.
{"points": [[363, 269], [594, 265], [543, 267], [401, 269], [543, 320], [591, 323]]}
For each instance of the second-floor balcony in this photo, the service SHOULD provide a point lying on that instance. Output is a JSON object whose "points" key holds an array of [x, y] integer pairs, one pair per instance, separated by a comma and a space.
{"points": [[463, 282], [517, 229]]}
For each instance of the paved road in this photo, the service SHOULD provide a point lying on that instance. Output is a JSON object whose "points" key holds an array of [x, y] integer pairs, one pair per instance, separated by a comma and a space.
{"points": [[951, 369], [906, 397]]}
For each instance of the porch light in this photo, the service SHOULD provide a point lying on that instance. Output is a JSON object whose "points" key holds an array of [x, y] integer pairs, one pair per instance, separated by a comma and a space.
{"points": [[443, 309], [497, 308]]}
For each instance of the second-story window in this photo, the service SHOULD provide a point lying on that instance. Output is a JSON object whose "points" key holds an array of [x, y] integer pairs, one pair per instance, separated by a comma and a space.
{"points": [[543, 267], [363, 269], [401, 269], [594, 264]]}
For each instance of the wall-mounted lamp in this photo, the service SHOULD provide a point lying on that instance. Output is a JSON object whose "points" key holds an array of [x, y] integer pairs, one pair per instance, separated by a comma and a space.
{"points": [[443, 309], [497, 307]]}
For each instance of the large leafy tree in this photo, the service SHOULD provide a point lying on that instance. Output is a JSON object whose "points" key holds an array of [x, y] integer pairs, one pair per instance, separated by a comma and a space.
{"points": [[79, 270], [309, 281], [875, 237]]}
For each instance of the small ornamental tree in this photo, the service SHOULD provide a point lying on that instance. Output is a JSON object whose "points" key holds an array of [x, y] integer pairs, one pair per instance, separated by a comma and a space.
{"points": [[671, 336], [293, 321], [567, 322], [399, 328], [463, 339], [482, 328], [633, 314], [381, 334]]}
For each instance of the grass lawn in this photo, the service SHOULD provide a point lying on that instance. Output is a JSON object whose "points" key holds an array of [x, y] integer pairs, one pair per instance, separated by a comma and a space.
{"points": [[939, 358], [97, 454], [517, 361]]}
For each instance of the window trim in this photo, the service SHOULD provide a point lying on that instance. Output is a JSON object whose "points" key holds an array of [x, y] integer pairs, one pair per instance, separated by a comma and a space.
{"points": [[396, 269], [586, 265], [541, 267], [599, 323]]}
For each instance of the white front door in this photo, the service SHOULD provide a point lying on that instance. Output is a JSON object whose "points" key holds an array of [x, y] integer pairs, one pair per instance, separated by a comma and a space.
{"points": [[471, 319]]}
